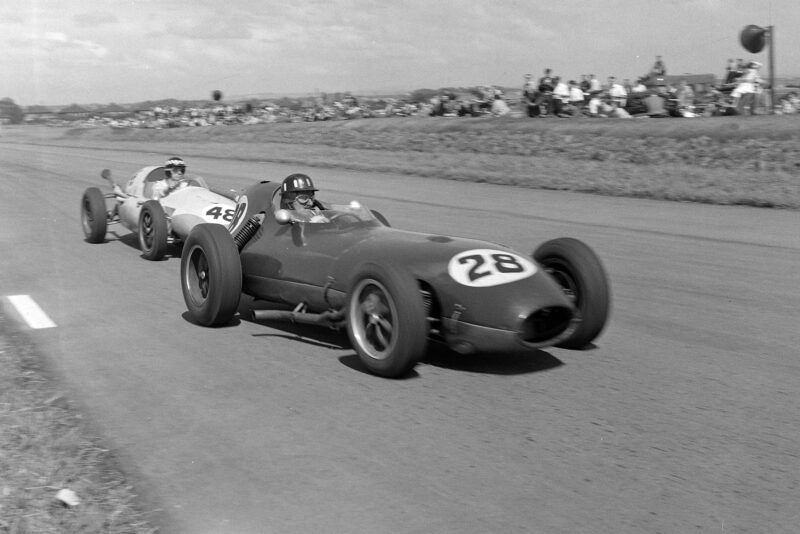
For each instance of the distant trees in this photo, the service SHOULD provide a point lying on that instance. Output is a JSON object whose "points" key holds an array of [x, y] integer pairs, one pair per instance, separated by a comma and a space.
{"points": [[11, 112]]}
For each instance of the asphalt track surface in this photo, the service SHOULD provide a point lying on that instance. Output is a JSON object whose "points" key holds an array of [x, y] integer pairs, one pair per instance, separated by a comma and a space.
{"points": [[683, 418]]}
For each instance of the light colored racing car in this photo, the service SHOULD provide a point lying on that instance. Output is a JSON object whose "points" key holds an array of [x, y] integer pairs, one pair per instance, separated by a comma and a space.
{"points": [[158, 220]]}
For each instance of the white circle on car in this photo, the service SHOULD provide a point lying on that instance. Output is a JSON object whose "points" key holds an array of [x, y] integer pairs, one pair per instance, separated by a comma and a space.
{"points": [[485, 267]]}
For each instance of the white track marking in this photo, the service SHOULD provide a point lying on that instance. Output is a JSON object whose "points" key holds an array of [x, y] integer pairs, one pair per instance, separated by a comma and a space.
{"points": [[31, 312]]}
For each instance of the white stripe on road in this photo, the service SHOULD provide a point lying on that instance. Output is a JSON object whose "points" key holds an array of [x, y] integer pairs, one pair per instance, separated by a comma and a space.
{"points": [[31, 312]]}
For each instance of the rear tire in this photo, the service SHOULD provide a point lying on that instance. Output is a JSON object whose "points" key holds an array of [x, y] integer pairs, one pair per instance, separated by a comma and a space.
{"points": [[579, 272], [94, 219], [386, 319], [211, 275], [153, 231]]}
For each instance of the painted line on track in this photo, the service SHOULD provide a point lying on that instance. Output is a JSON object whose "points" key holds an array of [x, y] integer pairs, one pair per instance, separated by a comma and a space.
{"points": [[31, 312]]}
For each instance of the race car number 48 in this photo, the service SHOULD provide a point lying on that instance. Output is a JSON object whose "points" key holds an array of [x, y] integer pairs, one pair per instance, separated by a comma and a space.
{"points": [[216, 212], [486, 267]]}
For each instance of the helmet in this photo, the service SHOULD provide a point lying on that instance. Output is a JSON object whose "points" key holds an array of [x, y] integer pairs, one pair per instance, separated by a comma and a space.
{"points": [[175, 163], [297, 182]]}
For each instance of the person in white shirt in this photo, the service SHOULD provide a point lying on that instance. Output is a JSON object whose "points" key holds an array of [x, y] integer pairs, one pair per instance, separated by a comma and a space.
{"points": [[744, 95], [640, 87], [560, 96], [617, 92], [576, 99], [499, 106]]}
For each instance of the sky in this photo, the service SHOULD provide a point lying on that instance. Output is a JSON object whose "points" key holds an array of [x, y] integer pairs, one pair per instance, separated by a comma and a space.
{"points": [[60, 52]]}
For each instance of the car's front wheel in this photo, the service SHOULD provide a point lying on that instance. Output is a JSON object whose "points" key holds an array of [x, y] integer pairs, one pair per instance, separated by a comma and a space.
{"points": [[386, 319], [153, 231], [211, 275], [93, 215], [579, 272]]}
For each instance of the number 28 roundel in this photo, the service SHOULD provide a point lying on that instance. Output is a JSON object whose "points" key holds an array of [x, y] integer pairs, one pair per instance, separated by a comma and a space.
{"points": [[487, 267]]}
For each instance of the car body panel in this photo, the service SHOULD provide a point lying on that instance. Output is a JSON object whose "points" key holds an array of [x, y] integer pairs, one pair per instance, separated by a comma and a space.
{"points": [[191, 204], [483, 291]]}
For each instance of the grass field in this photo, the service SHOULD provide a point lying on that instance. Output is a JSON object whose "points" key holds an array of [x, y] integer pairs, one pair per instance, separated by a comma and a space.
{"points": [[752, 161], [45, 447]]}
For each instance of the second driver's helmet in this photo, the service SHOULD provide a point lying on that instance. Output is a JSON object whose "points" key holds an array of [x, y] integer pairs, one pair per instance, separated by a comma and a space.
{"points": [[175, 165]]}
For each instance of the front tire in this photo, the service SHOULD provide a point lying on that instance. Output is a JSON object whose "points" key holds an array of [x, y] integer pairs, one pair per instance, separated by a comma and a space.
{"points": [[386, 319], [579, 272], [211, 275], [153, 231], [93, 215]]}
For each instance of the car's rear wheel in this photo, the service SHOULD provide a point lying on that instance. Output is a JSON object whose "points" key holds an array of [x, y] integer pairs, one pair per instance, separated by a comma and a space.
{"points": [[153, 231], [579, 272], [386, 319], [93, 215], [211, 275]]}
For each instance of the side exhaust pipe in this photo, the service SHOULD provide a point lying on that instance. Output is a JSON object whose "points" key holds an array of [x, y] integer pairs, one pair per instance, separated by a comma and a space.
{"points": [[331, 319]]}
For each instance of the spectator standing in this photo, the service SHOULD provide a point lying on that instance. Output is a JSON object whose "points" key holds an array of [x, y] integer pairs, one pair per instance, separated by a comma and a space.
{"points": [[730, 72], [740, 68], [529, 94], [658, 68], [655, 105], [546, 86], [560, 96], [685, 95], [585, 84], [576, 99], [594, 84], [749, 85], [617, 92]]}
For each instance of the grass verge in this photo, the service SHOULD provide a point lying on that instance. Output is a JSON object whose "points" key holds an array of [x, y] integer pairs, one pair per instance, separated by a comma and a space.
{"points": [[45, 447], [752, 161]]}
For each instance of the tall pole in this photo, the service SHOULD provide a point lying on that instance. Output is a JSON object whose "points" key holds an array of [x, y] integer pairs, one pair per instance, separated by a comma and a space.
{"points": [[771, 34]]}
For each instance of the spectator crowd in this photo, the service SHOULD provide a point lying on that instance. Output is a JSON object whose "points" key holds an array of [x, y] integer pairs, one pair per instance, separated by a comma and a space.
{"points": [[655, 94]]}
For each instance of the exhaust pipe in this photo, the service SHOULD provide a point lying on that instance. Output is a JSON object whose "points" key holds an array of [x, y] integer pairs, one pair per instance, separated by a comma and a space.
{"points": [[332, 319]]}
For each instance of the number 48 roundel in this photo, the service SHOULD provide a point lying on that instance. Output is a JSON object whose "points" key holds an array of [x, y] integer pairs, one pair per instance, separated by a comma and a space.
{"points": [[486, 267]]}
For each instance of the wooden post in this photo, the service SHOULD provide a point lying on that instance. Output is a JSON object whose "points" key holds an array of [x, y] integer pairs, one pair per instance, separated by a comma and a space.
{"points": [[771, 36]]}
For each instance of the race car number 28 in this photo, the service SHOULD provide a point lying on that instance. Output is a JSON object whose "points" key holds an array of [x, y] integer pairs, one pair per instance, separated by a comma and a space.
{"points": [[487, 267]]}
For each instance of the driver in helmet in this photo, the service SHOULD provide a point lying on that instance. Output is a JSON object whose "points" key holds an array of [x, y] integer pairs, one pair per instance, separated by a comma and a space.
{"points": [[175, 169], [297, 195]]}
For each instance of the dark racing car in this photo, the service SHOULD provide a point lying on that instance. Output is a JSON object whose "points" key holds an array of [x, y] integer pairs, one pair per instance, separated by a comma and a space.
{"points": [[393, 290]]}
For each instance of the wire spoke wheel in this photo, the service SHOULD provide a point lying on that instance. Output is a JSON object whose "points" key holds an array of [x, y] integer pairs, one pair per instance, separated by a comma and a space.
{"points": [[373, 324], [386, 319]]}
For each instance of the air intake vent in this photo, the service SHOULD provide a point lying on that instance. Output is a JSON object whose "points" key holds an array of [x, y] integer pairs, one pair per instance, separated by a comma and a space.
{"points": [[545, 324]]}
